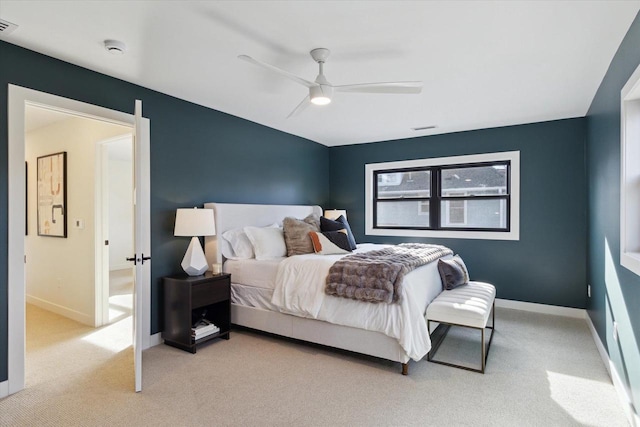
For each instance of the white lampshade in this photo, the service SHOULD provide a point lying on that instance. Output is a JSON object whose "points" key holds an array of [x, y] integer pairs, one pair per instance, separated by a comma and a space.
{"points": [[194, 222], [335, 213]]}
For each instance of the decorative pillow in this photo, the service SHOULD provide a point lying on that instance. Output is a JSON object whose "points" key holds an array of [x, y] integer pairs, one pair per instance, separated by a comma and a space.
{"points": [[339, 224], [460, 262], [330, 242], [296, 234], [240, 244], [453, 272], [268, 242]]}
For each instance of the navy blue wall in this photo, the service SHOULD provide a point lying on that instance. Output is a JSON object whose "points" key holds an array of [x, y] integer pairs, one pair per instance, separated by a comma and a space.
{"points": [[197, 155], [547, 265], [615, 290]]}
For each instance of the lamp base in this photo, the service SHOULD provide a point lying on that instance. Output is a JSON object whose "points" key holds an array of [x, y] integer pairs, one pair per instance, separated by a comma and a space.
{"points": [[194, 262]]}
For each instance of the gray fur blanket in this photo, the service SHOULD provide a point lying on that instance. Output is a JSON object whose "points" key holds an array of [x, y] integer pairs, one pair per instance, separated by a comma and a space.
{"points": [[376, 276]]}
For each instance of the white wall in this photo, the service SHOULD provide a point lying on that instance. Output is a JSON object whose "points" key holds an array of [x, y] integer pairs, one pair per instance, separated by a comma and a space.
{"points": [[60, 273], [120, 173]]}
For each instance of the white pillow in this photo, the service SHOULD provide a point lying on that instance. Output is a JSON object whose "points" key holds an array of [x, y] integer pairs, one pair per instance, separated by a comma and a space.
{"points": [[268, 242], [240, 244]]}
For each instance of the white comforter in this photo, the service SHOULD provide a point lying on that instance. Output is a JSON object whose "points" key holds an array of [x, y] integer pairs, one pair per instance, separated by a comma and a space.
{"points": [[300, 287]]}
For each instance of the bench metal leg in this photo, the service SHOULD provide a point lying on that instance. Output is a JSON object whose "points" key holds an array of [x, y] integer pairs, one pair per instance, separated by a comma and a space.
{"points": [[436, 337], [439, 335]]}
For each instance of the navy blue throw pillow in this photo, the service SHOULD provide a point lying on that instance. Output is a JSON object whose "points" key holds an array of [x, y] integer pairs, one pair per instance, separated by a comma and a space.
{"points": [[338, 238], [339, 224]]}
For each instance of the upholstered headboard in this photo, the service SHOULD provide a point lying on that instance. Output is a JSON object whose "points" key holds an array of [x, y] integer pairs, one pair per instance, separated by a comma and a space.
{"points": [[230, 215]]}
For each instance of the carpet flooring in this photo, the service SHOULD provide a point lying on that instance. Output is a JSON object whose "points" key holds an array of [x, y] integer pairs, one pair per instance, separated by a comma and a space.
{"points": [[542, 370]]}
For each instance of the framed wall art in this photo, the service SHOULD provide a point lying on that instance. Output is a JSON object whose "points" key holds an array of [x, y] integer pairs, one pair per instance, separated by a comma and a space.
{"points": [[52, 195]]}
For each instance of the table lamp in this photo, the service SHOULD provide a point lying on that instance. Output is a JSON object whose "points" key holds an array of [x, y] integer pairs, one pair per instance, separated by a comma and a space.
{"points": [[335, 213], [194, 223]]}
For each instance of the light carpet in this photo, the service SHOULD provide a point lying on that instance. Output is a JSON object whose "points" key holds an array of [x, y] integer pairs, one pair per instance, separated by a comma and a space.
{"points": [[542, 371]]}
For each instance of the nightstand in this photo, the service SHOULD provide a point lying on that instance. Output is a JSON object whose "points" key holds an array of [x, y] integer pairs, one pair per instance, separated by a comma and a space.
{"points": [[189, 300]]}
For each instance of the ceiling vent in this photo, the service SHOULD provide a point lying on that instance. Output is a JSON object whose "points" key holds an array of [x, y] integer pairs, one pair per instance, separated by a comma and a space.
{"points": [[424, 128], [6, 27]]}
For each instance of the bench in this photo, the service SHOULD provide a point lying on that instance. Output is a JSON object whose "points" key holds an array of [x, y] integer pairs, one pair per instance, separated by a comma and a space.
{"points": [[469, 306]]}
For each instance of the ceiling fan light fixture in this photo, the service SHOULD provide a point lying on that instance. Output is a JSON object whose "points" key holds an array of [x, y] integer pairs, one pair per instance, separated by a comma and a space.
{"points": [[320, 95], [321, 100]]}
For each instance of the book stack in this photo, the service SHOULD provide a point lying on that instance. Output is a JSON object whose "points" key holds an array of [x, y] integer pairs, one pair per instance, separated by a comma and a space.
{"points": [[203, 328]]}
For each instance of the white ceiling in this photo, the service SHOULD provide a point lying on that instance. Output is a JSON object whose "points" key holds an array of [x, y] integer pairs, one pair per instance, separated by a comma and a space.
{"points": [[483, 63], [38, 117]]}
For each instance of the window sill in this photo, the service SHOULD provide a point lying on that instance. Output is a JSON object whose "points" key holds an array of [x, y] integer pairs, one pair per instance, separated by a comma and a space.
{"points": [[631, 261], [447, 234]]}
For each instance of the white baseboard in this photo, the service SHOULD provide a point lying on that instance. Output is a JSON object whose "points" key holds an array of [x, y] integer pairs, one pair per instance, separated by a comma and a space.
{"points": [[153, 340], [555, 310], [117, 267], [61, 310], [4, 389], [621, 388], [603, 351]]}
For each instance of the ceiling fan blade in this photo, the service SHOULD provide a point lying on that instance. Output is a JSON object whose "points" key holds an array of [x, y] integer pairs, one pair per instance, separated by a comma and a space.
{"points": [[389, 87], [303, 104], [283, 73]]}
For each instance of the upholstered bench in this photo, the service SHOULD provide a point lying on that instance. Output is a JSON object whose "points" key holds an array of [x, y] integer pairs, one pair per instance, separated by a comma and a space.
{"points": [[468, 305]]}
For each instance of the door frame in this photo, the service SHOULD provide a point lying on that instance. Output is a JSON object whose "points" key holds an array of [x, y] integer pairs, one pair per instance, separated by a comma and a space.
{"points": [[18, 97]]}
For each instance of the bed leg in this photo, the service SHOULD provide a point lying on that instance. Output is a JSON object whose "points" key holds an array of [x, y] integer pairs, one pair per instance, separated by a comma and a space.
{"points": [[405, 369]]}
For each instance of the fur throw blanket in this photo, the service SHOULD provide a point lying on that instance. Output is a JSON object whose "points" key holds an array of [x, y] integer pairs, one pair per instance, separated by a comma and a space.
{"points": [[376, 276]]}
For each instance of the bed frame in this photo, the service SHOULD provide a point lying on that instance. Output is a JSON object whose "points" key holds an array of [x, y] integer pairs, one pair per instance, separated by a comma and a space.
{"points": [[229, 216]]}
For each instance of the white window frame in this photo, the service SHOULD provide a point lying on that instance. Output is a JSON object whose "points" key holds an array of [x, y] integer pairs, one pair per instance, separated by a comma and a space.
{"points": [[512, 234], [630, 173]]}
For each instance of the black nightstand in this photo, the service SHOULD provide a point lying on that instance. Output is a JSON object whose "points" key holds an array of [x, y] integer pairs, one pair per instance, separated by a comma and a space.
{"points": [[190, 299]]}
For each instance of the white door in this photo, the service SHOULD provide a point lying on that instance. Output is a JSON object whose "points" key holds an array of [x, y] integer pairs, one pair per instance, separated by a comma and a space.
{"points": [[142, 259]]}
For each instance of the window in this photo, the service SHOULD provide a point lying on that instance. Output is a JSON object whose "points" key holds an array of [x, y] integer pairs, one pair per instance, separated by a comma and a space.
{"points": [[629, 174], [464, 197], [403, 198], [474, 197]]}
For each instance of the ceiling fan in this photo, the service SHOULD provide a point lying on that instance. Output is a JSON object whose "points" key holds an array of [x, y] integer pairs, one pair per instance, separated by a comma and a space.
{"points": [[321, 91]]}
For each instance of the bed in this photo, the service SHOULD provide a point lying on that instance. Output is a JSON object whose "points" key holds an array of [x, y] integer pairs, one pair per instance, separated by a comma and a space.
{"points": [[336, 322]]}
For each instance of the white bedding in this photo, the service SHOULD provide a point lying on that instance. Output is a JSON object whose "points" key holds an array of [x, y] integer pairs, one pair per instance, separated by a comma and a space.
{"points": [[259, 273], [252, 296], [300, 286]]}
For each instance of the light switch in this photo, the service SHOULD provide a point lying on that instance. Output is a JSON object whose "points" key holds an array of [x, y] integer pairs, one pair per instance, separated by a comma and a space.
{"points": [[78, 223]]}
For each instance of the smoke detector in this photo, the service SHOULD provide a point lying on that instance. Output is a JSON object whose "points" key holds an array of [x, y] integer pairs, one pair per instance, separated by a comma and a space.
{"points": [[115, 47]]}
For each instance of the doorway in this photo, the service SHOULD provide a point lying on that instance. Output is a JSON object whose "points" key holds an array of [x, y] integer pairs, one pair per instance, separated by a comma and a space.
{"points": [[115, 237], [18, 99], [62, 272]]}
